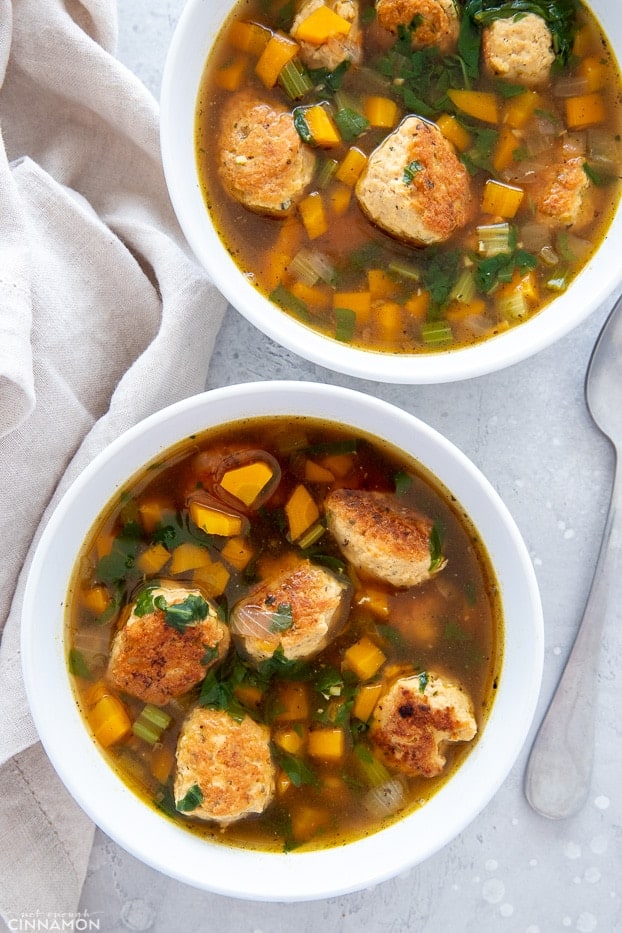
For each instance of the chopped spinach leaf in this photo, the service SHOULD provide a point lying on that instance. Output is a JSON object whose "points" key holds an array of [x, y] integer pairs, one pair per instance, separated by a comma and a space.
{"points": [[77, 665], [187, 613], [403, 482], [191, 800], [410, 171], [423, 681], [282, 618], [436, 547], [493, 270], [297, 770]]}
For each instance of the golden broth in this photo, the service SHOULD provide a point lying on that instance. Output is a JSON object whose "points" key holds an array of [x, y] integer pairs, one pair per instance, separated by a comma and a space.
{"points": [[373, 291], [451, 624]]}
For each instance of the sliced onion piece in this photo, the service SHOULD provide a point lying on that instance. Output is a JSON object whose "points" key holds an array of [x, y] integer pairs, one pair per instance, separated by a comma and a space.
{"points": [[387, 798]]}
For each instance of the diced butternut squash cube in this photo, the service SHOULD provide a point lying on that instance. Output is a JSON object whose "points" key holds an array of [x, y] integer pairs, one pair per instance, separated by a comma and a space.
{"points": [[246, 482], [339, 197], [215, 521], [153, 559], [518, 110], [327, 744], [500, 199], [321, 25], [584, 110], [453, 131], [279, 50], [359, 302], [338, 464], [374, 599], [389, 320], [322, 129], [313, 215], [315, 473], [594, 71], [364, 658], [162, 761], [417, 305], [482, 105], [307, 821], [188, 556], [229, 77], [381, 111], [150, 513], [291, 740], [104, 542], [292, 702], [506, 146], [301, 511], [249, 694], [237, 552], [380, 284], [95, 598], [365, 701], [212, 578], [248, 37], [109, 720], [351, 166]]}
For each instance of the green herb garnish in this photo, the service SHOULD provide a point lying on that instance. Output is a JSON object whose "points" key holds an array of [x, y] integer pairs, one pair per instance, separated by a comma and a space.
{"points": [[191, 800]]}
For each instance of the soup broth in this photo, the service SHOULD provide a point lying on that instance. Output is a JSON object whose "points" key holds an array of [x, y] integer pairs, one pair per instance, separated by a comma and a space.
{"points": [[273, 486], [507, 216]]}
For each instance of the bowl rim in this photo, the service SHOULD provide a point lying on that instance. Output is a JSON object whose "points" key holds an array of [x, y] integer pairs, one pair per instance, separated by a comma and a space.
{"points": [[246, 874], [198, 25]]}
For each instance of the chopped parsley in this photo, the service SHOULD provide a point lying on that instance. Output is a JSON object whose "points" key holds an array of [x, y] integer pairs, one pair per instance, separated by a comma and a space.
{"points": [[411, 170], [191, 800], [282, 618], [436, 547]]}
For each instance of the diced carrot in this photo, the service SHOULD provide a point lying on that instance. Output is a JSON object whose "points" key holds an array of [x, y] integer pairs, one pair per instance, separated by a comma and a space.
{"points": [[364, 658], [321, 25], [351, 166], [500, 199], [482, 105], [230, 76], [301, 511], [279, 50], [153, 559], [505, 148], [365, 700], [584, 110], [327, 744], [248, 37], [246, 482], [381, 111], [188, 556], [518, 110], [313, 215], [95, 598]]}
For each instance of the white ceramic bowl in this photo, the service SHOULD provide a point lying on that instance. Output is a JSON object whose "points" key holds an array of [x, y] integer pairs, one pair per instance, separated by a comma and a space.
{"points": [[259, 875], [196, 31]]}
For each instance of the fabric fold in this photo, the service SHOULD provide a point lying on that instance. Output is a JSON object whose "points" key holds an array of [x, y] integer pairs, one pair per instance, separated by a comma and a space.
{"points": [[104, 318]]}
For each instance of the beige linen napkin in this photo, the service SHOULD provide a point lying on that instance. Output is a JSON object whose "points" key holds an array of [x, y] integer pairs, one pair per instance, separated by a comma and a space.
{"points": [[104, 318]]}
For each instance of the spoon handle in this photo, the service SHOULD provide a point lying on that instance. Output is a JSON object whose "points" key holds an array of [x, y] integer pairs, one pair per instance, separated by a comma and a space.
{"points": [[560, 765]]}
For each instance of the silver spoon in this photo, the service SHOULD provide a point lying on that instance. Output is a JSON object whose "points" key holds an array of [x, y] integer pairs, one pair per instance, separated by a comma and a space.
{"points": [[560, 765]]}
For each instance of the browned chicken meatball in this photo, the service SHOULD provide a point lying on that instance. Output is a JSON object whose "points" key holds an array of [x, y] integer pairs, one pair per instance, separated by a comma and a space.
{"points": [[562, 195], [263, 162], [436, 22], [518, 49], [416, 718], [337, 49], [224, 769], [301, 610], [158, 655], [414, 187], [381, 537]]}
